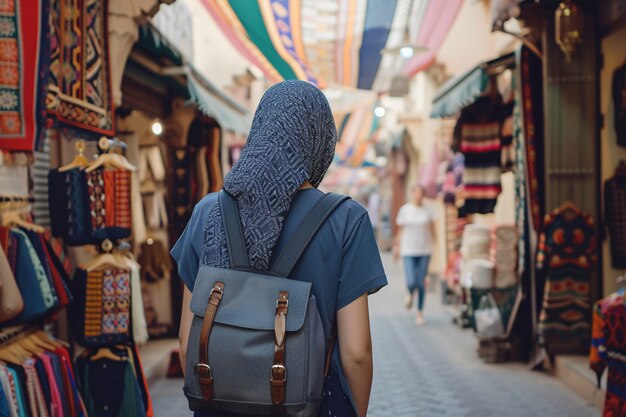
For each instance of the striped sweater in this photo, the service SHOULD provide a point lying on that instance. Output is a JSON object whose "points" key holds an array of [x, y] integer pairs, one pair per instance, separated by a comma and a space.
{"points": [[478, 133]]}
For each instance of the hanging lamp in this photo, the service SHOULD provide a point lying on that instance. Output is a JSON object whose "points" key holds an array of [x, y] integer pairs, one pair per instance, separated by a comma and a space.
{"points": [[569, 24]]}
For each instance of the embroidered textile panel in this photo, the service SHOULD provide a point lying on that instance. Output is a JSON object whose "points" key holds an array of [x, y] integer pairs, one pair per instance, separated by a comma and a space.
{"points": [[79, 86], [23, 70]]}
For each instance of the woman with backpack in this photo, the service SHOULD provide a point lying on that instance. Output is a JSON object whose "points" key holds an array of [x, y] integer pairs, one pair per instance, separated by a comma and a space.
{"points": [[273, 188]]}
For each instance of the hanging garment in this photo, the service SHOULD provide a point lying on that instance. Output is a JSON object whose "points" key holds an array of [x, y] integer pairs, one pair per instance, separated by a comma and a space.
{"points": [[479, 130], [31, 280], [615, 215], [619, 104], [39, 177], [102, 307], [504, 255], [155, 261], [138, 317], [69, 206], [607, 347], [508, 148], [11, 302], [34, 390], [56, 404], [109, 387], [566, 252]]}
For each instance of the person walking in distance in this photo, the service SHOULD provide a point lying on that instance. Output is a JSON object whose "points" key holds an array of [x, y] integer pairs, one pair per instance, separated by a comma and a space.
{"points": [[414, 242]]}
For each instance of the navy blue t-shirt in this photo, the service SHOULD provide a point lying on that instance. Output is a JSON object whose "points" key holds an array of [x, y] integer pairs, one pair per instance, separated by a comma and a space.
{"points": [[342, 261]]}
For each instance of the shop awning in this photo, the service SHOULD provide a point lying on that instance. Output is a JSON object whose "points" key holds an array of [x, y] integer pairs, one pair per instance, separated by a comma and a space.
{"points": [[211, 99], [463, 90], [213, 102]]}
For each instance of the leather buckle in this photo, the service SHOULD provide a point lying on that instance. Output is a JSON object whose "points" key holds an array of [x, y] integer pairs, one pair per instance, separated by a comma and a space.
{"points": [[276, 368], [218, 289], [282, 301], [204, 370]]}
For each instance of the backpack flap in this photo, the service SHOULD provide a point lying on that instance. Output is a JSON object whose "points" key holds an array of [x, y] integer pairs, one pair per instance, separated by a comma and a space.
{"points": [[249, 299]]}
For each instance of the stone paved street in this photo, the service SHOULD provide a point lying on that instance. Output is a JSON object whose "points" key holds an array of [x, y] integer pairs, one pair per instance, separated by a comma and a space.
{"points": [[432, 371]]}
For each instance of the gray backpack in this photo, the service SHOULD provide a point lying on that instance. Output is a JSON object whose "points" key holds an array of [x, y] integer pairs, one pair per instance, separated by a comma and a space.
{"points": [[257, 345]]}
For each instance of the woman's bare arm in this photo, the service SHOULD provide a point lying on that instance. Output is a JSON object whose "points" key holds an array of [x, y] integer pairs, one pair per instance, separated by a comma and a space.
{"points": [[355, 348], [185, 326]]}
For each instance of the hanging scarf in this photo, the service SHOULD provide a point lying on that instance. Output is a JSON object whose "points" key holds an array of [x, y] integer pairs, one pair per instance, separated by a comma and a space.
{"points": [[292, 140]]}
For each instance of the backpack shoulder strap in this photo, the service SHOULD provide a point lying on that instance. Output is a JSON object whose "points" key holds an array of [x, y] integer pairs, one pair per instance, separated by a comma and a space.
{"points": [[235, 242], [306, 230]]}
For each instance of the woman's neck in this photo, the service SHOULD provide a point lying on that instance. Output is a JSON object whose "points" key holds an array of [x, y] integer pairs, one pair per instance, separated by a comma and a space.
{"points": [[306, 185]]}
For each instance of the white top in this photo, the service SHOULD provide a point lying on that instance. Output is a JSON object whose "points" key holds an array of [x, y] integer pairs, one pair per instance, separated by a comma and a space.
{"points": [[417, 239]]}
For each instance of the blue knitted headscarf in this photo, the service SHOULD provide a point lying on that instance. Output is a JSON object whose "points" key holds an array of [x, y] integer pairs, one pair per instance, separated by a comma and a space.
{"points": [[292, 140]]}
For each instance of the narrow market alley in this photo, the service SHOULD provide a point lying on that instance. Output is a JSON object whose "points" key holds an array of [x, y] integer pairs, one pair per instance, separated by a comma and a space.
{"points": [[431, 371]]}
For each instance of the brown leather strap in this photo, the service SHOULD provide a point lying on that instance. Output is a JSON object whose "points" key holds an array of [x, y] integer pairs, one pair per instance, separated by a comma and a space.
{"points": [[278, 373], [329, 352], [203, 370]]}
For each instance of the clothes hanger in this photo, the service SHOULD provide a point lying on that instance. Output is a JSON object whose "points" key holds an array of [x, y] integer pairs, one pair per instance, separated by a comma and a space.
{"points": [[105, 353], [14, 218], [14, 353], [106, 259], [80, 160], [28, 344], [9, 356], [112, 160], [42, 339]]}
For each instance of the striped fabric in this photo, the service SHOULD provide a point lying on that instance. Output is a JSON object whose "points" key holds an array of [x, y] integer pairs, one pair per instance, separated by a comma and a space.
{"points": [[335, 42], [478, 131], [39, 177]]}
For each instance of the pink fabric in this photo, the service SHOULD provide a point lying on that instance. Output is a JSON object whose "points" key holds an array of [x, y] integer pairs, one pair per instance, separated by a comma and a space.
{"points": [[56, 407], [436, 24], [428, 174]]}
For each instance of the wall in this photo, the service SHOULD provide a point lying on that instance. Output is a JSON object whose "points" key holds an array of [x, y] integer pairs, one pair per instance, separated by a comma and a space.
{"points": [[214, 56], [470, 39], [614, 51]]}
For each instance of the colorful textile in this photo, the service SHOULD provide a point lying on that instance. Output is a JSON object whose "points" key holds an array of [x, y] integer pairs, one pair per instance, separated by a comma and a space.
{"points": [[97, 199], [287, 39], [608, 345], [93, 304], [110, 385], [103, 303], [506, 139], [23, 70], [109, 203], [79, 88], [478, 130], [597, 353], [69, 206], [35, 392], [122, 199], [532, 99], [521, 206], [566, 252], [615, 215]]}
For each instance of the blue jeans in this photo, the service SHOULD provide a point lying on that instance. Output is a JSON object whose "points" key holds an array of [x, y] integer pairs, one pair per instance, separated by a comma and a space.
{"points": [[416, 269]]}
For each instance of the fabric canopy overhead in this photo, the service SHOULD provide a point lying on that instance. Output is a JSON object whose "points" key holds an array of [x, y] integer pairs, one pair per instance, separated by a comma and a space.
{"points": [[461, 91], [335, 42]]}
